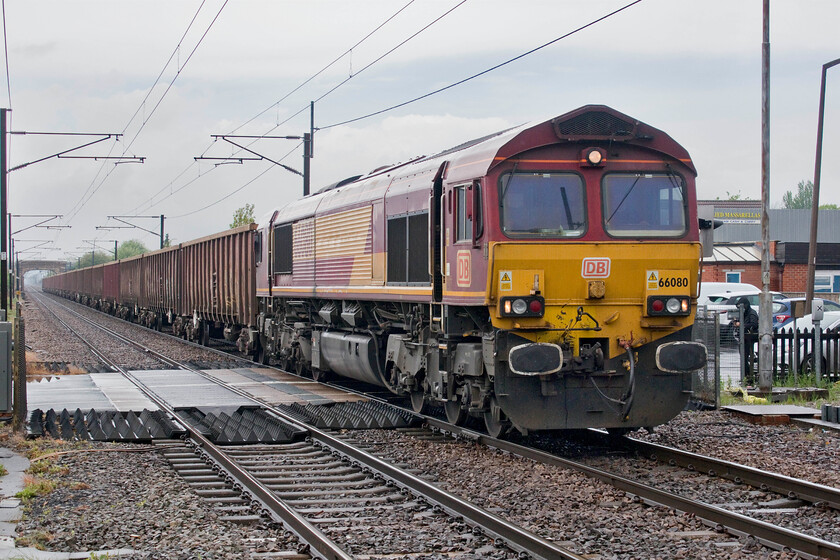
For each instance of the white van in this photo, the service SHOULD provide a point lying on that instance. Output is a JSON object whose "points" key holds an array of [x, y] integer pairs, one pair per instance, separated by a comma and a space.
{"points": [[718, 291]]}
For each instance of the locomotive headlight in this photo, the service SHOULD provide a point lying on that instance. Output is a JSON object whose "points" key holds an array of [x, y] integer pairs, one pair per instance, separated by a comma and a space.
{"points": [[673, 305], [593, 157], [522, 306], [684, 306]]}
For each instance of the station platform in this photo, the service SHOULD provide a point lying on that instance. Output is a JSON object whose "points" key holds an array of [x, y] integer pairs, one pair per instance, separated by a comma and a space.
{"points": [[179, 388]]}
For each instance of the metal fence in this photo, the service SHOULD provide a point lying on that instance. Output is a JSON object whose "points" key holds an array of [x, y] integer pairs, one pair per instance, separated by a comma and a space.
{"points": [[707, 381], [733, 359]]}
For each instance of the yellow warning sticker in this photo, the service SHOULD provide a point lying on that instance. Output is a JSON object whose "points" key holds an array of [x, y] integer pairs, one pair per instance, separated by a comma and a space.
{"points": [[505, 281], [652, 279]]}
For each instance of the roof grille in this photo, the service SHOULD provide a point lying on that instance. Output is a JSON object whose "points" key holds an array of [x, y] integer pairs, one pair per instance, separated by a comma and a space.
{"points": [[594, 123]]}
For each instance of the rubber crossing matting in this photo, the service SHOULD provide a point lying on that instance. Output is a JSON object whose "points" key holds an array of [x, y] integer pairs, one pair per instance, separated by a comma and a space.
{"points": [[351, 415], [108, 425], [244, 425]]}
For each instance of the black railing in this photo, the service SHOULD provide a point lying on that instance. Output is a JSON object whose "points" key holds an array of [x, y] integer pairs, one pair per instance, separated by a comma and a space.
{"points": [[794, 354]]}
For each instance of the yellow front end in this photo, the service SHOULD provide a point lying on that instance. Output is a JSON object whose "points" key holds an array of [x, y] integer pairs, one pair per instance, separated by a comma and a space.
{"points": [[610, 282], [597, 309]]}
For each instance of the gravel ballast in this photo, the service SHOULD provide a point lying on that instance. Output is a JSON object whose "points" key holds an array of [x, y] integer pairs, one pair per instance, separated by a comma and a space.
{"points": [[584, 515], [106, 500]]}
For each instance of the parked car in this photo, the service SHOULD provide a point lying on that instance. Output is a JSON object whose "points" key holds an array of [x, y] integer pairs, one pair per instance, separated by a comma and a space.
{"points": [[783, 313], [716, 292], [829, 322]]}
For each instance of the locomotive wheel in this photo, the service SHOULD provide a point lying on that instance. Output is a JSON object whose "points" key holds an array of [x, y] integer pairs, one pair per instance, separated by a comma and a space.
{"points": [[320, 375], [455, 413], [495, 420], [418, 402], [262, 356]]}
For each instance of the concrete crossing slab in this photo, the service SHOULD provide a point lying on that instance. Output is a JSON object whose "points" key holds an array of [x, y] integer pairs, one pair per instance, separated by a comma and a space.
{"points": [[111, 391]]}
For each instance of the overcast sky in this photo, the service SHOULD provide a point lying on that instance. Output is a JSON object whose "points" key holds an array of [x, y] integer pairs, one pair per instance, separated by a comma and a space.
{"points": [[690, 68]]}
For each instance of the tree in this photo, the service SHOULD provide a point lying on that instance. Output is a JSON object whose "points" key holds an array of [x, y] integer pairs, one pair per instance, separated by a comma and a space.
{"points": [[803, 198], [131, 248], [90, 259], [731, 196], [243, 216]]}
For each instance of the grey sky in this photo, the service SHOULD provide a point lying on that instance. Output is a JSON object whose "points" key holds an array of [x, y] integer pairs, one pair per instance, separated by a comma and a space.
{"points": [[690, 68]]}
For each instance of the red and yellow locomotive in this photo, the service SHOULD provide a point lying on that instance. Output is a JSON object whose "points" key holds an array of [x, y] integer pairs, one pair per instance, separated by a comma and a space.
{"points": [[539, 278]]}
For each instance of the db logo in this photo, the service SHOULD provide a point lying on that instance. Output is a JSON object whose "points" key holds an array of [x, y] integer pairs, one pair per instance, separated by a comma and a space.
{"points": [[595, 267], [464, 276]]}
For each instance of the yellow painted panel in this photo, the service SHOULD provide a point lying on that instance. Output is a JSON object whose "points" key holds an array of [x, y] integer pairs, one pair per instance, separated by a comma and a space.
{"points": [[343, 234], [568, 267]]}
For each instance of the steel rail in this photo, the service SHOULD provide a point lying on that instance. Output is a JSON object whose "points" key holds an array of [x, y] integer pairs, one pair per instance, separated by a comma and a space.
{"points": [[518, 538], [794, 488], [770, 535], [740, 525], [279, 510]]}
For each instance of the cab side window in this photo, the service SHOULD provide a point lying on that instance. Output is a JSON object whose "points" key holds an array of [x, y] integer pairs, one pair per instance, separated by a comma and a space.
{"points": [[467, 212]]}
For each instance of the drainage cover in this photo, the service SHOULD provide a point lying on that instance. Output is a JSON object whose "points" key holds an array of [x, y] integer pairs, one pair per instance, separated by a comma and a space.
{"points": [[363, 415], [243, 425], [108, 425]]}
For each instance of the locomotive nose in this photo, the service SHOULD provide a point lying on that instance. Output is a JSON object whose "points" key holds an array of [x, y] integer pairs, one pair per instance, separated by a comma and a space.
{"points": [[539, 358]]}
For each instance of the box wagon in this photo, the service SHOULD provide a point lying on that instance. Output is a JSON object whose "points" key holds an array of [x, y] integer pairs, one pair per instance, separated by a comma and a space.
{"points": [[218, 286], [110, 286], [159, 296], [130, 282]]}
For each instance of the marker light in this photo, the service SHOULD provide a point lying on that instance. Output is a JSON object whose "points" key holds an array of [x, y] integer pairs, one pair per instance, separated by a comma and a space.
{"points": [[673, 305], [524, 306], [519, 306], [669, 305]]}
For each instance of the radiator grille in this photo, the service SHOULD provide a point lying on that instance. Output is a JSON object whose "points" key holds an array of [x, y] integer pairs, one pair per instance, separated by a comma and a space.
{"points": [[594, 123]]}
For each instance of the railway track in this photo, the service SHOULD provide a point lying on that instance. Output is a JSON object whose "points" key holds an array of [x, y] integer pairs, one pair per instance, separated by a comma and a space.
{"points": [[379, 505], [719, 518]]}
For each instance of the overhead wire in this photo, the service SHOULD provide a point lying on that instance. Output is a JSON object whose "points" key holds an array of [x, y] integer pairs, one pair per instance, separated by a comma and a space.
{"points": [[88, 193], [429, 94], [400, 44], [483, 72], [150, 202], [324, 69], [266, 170]]}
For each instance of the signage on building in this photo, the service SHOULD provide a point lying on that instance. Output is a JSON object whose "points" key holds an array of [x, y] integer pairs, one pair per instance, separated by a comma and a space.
{"points": [[737, 212]]}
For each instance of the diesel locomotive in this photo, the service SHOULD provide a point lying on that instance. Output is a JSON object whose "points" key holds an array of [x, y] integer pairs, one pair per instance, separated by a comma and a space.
{"points": [[540, 278]]}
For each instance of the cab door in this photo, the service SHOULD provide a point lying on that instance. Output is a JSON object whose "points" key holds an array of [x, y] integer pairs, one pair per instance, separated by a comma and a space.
{"points": [[465, 265]]}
